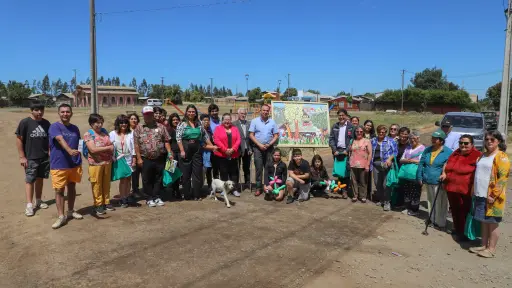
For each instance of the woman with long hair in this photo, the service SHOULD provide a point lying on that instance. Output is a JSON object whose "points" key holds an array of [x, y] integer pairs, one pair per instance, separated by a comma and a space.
{"points": [[458, 178], [319, 177], [134, 120], [490, 188], [173, 122], [368, 129], [122, 139], [189, 136]]}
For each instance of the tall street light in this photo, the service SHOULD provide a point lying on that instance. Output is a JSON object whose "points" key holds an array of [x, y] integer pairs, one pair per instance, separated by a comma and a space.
{"points": [[279, 86], [247, 93]]}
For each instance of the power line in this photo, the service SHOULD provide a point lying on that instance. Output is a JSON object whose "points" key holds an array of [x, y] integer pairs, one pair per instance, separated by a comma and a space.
{"points": [[183, 6]]}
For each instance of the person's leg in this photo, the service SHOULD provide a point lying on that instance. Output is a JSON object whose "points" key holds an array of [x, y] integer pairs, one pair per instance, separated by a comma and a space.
{"points": [[209, 177], [485, 235], [290, 187], [95, 179], [224, 169], [441, 208], [431, 194], [197, 175], [377, 182], [186, 169], [415, 196], [105, 184], [369, 185], [71, 197], [246, 167], [60, 201], [407, 194], [148, 178], [159, 166], [455, 201], [362, 182], [135, 179], [43, 172], [355, 185], [258, 165], [215, 166], [492, 229], [233, 173]]}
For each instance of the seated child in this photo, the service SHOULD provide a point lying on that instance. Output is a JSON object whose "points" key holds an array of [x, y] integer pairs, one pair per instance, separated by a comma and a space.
{"points": [[298, 178], [319, 174], [275, 169]]}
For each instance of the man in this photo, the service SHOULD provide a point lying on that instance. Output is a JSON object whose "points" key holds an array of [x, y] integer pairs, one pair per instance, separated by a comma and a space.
{"points": [[263, 133], [32, 144], [339, 141], [245, 145], [213, 112], [298, 178], [452, 138], [151, 141], [65, 163]]}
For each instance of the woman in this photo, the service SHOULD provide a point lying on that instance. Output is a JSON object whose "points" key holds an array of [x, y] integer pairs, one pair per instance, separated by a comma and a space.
{"points": [[393, 132], [207, 155], [360, 157], [410, 187], [354, 120], [134, 121], [319, 177], [429, 172], [384, 150], [189, 135], [100, 153], [369, 129], [490, 188], [122, 139], [227, 138], [173, 122], [403, 143], [458, 178]]}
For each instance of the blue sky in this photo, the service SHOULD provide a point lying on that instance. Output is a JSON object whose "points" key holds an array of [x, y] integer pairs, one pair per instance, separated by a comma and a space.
{"points": [[329, 45]]}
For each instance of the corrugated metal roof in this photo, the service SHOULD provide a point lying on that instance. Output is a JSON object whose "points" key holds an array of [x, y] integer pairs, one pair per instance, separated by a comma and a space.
{"points": [[107, 87]]}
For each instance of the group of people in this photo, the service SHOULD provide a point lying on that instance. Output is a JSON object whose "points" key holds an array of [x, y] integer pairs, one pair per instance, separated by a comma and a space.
{"points": [[451, 169]]}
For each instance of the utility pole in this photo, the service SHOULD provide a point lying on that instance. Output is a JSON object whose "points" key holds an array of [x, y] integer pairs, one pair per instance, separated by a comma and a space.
{"points": [[162, 86], [94, 76], [279, 86], [211, 89], [403, 73], [247, 93], [505, 82], [288, 90], [74, 70], [162, 81]]}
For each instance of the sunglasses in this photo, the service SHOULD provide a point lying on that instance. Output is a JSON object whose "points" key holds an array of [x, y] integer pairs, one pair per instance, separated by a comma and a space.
{"points": [[359, 132], [393, 129], [490, 139], [464, 143]]}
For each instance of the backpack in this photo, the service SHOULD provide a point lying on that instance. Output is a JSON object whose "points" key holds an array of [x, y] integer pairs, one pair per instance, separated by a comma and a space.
{"points": [[85, 151]]}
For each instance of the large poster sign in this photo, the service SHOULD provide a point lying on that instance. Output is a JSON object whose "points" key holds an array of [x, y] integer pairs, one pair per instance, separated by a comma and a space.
{"points": [[302, 124]]}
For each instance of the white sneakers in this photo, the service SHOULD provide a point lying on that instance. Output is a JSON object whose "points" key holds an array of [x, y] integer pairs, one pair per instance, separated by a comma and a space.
{"points": [[75, 215], [29, 210], [156, 202], [41, 205], [60, 222]]}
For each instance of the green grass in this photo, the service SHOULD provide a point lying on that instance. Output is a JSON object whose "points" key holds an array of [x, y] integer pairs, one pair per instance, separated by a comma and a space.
{"points": [[410, 120]]}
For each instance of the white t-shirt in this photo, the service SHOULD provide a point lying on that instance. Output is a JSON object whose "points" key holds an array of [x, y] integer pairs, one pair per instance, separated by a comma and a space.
{"points": [[483, 175], [452, 140], [341, 136], [127, 148]]}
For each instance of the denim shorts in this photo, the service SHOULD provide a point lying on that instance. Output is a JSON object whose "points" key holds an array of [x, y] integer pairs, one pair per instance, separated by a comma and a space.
{"points": [[480, 209], [37, 168]]}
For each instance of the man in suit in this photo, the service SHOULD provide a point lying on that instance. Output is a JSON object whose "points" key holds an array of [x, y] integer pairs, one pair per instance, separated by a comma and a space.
{"points": [[245, 147], [339, 141]]}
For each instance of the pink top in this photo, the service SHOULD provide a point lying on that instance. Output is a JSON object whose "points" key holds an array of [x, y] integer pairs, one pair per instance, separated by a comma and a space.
{"points": [[360, 153], [220, 139]]}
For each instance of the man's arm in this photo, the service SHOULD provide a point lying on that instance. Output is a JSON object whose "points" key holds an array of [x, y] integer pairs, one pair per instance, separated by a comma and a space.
{"points": [[253, 139], [21, 151], [332, 141], [274, 139], [66, 147]]}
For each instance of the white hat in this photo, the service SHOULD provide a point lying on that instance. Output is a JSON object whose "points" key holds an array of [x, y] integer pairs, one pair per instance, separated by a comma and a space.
{"points": [[147, 109]]}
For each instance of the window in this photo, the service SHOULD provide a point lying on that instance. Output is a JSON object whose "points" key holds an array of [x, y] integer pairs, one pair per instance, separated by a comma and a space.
{"points": [[349, 105], [342, 104]]}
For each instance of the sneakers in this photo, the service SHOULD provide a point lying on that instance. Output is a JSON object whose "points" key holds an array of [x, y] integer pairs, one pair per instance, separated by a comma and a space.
{"points": [[99, 210], [124, 203], [236, 194], [75, 215], [378, 204], [289, 200], [159, 202], [151, 203], [41, 205], [60, 222], [387, 206], [29, 210], [109, 207]]}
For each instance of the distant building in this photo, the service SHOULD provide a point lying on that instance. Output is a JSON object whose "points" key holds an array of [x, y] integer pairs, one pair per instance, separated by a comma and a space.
{"points": [[107, 96], [65, 98], [342, 102], [473, 97]]}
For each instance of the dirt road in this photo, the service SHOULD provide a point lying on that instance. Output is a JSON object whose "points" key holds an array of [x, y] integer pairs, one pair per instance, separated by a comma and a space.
{"points": [[319, 243]]}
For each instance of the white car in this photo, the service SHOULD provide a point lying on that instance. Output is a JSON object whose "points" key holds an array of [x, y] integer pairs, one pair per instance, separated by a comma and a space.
{"points": [[154, 102]]}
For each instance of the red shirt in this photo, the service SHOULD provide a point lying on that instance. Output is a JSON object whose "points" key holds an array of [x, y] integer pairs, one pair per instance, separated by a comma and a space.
{"points": [[220, 138], [460, 171]]}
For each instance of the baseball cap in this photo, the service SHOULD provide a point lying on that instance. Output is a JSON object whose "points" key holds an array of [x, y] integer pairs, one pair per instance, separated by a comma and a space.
{"points": [[439, 134], [147, 110], [446, 123]]}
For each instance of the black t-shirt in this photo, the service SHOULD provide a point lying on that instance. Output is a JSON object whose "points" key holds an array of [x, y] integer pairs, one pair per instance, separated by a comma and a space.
{"points": [[300, 169], [279, 171], [376, 154], [401, 150], [35, 137]]}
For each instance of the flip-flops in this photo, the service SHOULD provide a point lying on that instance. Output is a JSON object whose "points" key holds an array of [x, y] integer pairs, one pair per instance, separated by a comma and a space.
{"points": [[477, 250], [486, 254]]}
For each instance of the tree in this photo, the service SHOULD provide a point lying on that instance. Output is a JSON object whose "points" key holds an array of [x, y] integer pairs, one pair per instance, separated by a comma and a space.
{"points": [[143, 88], [57, 87], [254, 94], [88, 81], [432, 79], [369, 95], [313, 91], [34, 87], [72, 85], [3, 90], [45, 86], [494, 94], [65, 88], [134, 83], [341, 93], [101, 81], [290, 92], [17, 92]]}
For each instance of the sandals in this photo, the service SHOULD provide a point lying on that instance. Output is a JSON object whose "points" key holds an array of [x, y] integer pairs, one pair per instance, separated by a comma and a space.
{"points": [[354, 200], [476, 250], [344, 196], [486, 254]]}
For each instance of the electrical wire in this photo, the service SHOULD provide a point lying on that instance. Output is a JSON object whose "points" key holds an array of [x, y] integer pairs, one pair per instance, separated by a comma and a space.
{"points": [[184, 6]]}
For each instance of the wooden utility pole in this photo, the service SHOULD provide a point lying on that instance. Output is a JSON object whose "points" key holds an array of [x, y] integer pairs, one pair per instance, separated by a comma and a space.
{"points": [[94, 89], [403, 73], [505, 82], [211, 89]]}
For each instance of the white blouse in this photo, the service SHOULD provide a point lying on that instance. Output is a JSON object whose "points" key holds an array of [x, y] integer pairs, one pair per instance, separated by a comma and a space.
{"points": [[483, 175], [127, 148]]}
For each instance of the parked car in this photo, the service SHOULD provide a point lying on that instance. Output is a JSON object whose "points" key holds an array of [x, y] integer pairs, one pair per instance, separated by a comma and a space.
{"points": [[467, 123], [491, 120], [154, 102]]}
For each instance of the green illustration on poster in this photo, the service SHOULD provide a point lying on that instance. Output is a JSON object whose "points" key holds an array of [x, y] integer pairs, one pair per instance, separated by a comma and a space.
{"points": [[302, 124]]}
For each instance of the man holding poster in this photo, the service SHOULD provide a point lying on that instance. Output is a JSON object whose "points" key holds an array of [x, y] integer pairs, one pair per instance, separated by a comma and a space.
{"points": [[339, 140]]}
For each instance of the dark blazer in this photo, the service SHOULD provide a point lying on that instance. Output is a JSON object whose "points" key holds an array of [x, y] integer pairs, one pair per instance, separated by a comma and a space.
{"points": [[245, 144], [335, 131]]}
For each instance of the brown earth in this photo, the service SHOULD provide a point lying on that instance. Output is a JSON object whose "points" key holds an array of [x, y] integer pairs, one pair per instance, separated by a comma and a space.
{"points": [[319, 243]]}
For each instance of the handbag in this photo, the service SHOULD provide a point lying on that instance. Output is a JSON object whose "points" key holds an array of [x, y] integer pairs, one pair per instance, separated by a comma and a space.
{"points": [[392, 177], [408, 171], [120, 168], [472, 229], [168, 178], [340, 167]]}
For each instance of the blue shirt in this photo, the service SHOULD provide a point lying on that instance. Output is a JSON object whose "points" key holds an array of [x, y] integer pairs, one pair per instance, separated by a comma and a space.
{"points": [[213, 125], [59, 158], [263, 131], [388, 148]]}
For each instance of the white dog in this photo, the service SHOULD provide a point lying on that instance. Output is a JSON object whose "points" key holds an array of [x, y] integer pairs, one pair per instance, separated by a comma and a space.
{"points": [[221, 186]]}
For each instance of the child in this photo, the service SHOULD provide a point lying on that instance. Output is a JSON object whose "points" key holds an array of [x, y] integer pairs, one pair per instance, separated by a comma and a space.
{"points": [[319, 174], [298, 178], [277, 170]]}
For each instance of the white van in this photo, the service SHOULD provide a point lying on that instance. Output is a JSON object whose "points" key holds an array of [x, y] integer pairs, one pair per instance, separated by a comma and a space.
{"points": [[154, 102]]}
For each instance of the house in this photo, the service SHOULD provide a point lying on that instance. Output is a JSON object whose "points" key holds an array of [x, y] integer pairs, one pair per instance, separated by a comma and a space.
{"points": [[65, 98], [311, 97], [345, 102], [107, 96]]}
